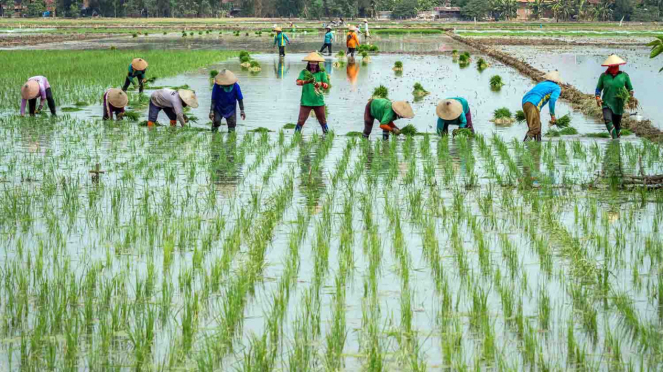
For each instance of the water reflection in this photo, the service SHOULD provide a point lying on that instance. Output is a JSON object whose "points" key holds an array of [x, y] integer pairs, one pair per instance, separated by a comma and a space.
{"points": [[281, 68], [352, 70]]}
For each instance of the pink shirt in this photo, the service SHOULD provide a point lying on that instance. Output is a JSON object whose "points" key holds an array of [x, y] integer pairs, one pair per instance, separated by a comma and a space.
{"points": [[43, 85]]}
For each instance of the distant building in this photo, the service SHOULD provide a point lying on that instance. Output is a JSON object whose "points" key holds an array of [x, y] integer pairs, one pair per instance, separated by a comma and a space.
{"points": [[448, 12], [384, 15]]}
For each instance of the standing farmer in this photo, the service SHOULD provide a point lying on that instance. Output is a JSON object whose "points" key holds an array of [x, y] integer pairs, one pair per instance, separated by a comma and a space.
{"points": [[386, 112], [172, 102], [114, 102], [453, 111], [37, 86], [352, 41], [544, 92], [313, 82], [366, 28], [137, 69], [225, 96], [329, 37], [617, 88], [281, 39]]}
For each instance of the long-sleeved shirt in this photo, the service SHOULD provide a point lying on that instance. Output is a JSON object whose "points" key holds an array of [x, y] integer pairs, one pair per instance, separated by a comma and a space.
{"points": [[352, 40], [225, 99], [610, 86], [135, 74], [381, 110], [543, 93], [43, 85], [169, 98], [109, 109], [366, 27], [461, 121], [281, 39], [329, 37]]}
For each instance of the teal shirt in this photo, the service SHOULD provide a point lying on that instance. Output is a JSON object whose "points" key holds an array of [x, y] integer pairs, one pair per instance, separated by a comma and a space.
{"points": [[281, 39], [135, 73], [461, 121]]}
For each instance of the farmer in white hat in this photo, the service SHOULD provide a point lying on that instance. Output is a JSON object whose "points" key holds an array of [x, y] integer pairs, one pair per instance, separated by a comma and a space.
{"points": [[281, 39], [329, 38], [37, 86], [545, 92], [114, 102], [226, 94], [366, 28], [313, 81], [172, 102], [453, 111], [616, 86], [386, 112], [352, 41], [137, 69]]}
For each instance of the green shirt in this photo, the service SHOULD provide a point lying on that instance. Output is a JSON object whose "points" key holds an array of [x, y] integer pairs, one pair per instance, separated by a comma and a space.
{"points": [[309, 97], [382, 111], [610, 86]]}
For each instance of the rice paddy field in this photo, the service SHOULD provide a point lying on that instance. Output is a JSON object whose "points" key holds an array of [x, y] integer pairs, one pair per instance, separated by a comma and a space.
{"points": [[134, 248]]}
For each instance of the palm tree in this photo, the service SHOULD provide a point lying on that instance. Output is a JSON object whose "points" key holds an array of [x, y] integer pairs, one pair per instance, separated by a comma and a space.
{"points": [[504, 8], [603, 11], [556, 7], [538, 7]]}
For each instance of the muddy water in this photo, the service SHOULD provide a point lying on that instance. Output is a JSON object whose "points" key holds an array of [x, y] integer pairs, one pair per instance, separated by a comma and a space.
{"points": [[581, 67]]}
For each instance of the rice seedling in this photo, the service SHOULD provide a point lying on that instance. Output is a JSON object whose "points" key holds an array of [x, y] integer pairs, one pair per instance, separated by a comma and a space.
{"points": [[381, 92], [482, 64], [568, 131], [409, 130], [398, 66], [502, 116], [564, 121], [419, 91], [520, 116], [254, 66], [213, 73], [496, 83]]}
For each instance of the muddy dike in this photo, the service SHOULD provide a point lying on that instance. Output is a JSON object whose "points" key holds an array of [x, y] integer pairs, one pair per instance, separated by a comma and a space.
{"points": [[8, 41], [585, 103]]}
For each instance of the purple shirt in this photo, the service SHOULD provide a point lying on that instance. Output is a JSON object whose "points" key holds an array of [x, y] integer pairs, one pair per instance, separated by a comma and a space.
{"points": [[43, 85]]}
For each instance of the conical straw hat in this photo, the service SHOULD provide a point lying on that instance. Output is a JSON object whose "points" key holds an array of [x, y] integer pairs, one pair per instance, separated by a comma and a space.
{"points": [[30, 89], [365, 20], [277, 29], [189, 97], [225, 77], [613, 60], [553, 76], [117, 97], [139, 64], [449, 109], [352, 28], [403, 109], [313, 57]]}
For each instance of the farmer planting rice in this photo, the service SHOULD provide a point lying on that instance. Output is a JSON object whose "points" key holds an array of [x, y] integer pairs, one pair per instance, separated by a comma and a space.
{"points": [[37, 86], [137, 70], [329, 37], [281, 40], [313, 82], [617, 90], [114, 102], [172, 102], [386, 112], [545, 92], [352, 41], [453, 111], [226, 94]]}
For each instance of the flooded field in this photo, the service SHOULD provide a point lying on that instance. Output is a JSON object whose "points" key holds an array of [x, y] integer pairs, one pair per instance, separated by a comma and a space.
{"points": [[127, 247]]}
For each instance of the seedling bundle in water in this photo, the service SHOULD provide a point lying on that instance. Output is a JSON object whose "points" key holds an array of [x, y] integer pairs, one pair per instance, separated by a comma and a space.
{"points": [[398, 66], [482, 64], [520, 116], [496, 83], [419, 90], [564, 121], [502, 116], [381, 92]]}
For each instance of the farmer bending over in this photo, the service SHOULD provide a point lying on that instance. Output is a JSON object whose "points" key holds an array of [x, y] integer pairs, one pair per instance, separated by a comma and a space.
{"points": [[172, 103], [313, 82], [114, 102], [225, 96], [453, 111], [544, 92], [137, 69], [281, 39], [386, 112], [613, 82], [37, 86]]}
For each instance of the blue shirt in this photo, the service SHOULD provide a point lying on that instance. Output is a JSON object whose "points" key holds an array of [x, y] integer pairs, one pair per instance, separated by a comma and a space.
{"points": [[329, 36], [461, 121], [281, 39], [543, 93], [225, 103]]}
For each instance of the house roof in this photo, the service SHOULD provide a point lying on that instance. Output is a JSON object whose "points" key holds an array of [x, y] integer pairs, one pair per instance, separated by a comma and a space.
{"points": [[447, 9]]}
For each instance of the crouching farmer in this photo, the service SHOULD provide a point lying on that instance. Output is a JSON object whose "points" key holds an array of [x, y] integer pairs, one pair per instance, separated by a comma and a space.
{"points": [[386, 112], [37, 86], [114, 102], [545, 92], [453, 111], [172, 103]]}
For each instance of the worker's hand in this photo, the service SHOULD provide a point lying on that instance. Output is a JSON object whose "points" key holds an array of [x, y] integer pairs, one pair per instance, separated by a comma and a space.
{"points": [[242, 114], [599, 101], [144, 81], [120, 116], [553, 120], [316, 85], [37, 111], [325, 86], [211, 115]]}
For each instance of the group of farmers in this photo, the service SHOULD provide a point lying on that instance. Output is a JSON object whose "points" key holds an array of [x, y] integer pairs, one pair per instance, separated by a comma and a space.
{"points": [[227, 95]]}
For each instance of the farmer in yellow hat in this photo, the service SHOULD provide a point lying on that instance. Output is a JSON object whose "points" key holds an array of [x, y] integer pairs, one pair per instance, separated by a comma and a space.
{"points": [[226, 94], [617, 89], [137, 69], [114, 102], [453, 111], [281, 39], [172, 102], [545, 92], [386, 112], [352, 41], [313, 81], [37, 86]]}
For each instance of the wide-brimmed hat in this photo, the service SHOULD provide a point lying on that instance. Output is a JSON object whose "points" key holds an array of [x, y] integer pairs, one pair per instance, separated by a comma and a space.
{"points": [[139, 64], [30, 89], [449, 109], [189, 97], [613, 60], [553, 76], [352, 28], [365, 20], [225, 77], [117, 97], [278, 29], [403, 109], [313, 57], [328, 27]]}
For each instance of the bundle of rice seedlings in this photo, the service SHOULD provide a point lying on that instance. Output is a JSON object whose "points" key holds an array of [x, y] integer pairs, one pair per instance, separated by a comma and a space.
{"points": [[568, 131], [365, 58], [496, 82], [213, 73], [462, 132], [564, 121], [419, 90], [381, 92], [520, 116], [482, 64], [502, 116], [254, 66], [630, 103], [409, 130], [398, 66], [131, 115], [463, 59], [373, 48]]}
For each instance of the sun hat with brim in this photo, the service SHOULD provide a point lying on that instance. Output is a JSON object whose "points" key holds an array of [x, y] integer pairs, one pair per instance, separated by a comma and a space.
{"points": [[117, 97], [189, 97], [313, 57], [278, 29], [30, 90], [365, 20], [403, 109], [613, 60], [553, 76], [352, 28], [225, 77], [449, 109], [139, 64]]}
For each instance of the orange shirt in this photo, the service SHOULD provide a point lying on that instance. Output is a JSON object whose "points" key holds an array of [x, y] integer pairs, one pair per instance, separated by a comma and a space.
{"points": [[353, 41]]}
